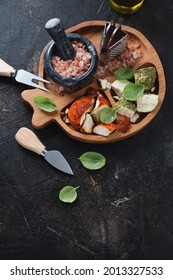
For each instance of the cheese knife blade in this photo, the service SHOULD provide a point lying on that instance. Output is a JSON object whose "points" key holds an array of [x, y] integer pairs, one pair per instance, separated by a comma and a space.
{"points": [[28, 140], [57, 160]]}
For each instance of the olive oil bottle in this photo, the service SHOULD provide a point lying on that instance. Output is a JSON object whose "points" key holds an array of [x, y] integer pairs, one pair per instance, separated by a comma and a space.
{"points": [[126, 6]]}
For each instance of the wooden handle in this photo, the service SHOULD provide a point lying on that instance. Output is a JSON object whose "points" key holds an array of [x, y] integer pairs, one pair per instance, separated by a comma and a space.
{"points": [[5, 69], [28, 140]]}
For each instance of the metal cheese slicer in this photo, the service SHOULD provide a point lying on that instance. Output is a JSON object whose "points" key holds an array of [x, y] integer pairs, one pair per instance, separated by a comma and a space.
{"points": [[112, 42], [21, 76]]}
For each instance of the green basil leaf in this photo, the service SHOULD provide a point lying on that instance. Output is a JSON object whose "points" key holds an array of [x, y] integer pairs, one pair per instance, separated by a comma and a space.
{"points": [[108, 115], [45, 104], [68, 194], [133, 91], [124, 73], [92, 160]]}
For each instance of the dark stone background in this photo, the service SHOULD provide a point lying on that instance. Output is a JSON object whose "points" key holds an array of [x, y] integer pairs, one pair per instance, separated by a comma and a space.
{"points": [[123, 211]]}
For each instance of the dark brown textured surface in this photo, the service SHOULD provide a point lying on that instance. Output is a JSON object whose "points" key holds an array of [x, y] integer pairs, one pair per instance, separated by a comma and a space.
{"points": [[123, 211]]}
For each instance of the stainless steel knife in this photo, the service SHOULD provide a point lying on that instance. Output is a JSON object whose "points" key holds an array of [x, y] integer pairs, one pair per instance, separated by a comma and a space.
{"points": [[21, 76], [28, 140]]}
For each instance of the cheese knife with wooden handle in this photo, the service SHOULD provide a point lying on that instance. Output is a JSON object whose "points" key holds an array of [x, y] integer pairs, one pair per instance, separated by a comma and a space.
{"points": [[28, 140], [21, 76]]}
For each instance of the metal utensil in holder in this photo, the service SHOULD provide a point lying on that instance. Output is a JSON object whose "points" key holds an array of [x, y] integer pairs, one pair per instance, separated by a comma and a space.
{"points": [[112, 42]]}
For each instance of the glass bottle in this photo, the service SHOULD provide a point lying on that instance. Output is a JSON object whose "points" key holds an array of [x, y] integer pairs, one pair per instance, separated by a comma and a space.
{"points": [[126, 6]]}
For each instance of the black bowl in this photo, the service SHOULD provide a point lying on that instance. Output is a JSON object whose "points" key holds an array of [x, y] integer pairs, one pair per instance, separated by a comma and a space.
{"points": [[81, 80]]}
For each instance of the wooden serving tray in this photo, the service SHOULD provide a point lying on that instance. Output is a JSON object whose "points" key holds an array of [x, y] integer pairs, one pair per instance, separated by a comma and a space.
{"points": [[93, 31]]}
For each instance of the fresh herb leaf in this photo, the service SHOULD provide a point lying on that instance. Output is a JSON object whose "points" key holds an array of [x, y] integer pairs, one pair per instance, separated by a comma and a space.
{"points": [[108, 115], [68, 194], [92, 160], [133, 91], [124, 73], [45, 104]]}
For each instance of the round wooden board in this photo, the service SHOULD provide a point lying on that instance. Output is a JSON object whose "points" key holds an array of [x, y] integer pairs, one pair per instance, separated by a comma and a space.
{"points": [[93, 31]]}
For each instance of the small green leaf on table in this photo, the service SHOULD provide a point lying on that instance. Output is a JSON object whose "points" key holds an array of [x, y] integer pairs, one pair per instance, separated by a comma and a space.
{"points": [[68, 194], [92, 160]]}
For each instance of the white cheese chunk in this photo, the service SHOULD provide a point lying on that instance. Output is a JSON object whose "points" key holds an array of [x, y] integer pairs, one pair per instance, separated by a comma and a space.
{"points": [[104, 84], [118, 86], [147, 103], [126, 108], [87, 124]]}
